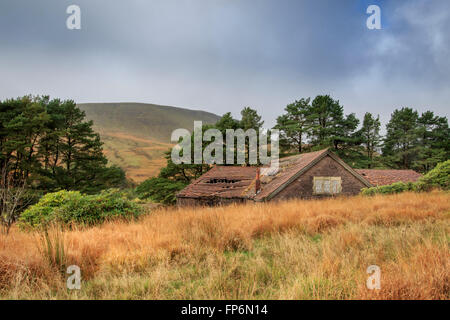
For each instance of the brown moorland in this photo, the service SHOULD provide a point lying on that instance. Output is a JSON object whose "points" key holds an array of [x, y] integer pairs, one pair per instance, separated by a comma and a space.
{"points": [[317, 249]]}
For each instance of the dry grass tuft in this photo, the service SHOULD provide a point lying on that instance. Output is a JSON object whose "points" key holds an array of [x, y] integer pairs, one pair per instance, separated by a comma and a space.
{"points": [[289, 250]]}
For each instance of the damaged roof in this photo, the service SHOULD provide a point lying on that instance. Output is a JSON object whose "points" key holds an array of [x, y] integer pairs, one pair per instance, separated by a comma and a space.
{"points": [[293, 167], [385, 177], [288, 168], [224, 182], [239, 182]]}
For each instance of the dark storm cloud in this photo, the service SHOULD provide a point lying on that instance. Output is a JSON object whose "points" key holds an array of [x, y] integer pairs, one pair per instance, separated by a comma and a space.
{"points": [[223, 54]]}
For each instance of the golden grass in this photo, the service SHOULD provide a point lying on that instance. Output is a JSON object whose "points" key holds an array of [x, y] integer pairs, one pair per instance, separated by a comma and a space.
{"points": [[289, 250]]}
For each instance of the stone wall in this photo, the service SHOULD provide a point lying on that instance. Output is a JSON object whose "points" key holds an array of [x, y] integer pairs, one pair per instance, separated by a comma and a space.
{"points": [[302, 187]]}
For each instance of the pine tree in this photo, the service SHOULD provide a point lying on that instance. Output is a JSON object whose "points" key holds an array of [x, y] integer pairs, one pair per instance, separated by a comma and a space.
{"points": [[22, 123], [370, 135], [49, 144], [344, 134], [434, 141], [401, 142], [250, 119], [78, 160], [325, 115], [294, 125], [329, 126], [227, 122]]}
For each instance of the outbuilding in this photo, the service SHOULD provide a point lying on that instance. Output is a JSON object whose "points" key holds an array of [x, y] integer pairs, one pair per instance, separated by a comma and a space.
{"points": [[310, 175]]}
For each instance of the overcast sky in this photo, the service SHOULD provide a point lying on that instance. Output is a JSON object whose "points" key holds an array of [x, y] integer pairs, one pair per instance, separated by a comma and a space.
{"points": [[222, 55]]}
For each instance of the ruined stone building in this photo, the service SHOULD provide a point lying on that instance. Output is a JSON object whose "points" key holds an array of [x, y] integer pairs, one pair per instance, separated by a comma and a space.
{"points": [[309, 175]]}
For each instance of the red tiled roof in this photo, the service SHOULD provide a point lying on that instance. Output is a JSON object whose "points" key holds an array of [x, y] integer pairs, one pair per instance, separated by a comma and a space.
{"points": [[385, 177], [238, 182], [224, 182]]}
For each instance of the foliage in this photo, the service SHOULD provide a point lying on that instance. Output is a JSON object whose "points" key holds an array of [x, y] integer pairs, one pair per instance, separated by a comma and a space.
{"points": [[68, 207], [412, 141], [176, 176], [345, 134], [185, 172], [49, 144], [434, 141], [329, 126], [293, 125], [439, 177], [227, 122], [321, 121], [160, 190], [416, 142], [400, 144], [250, 119], [370, 136], [394, 188], [357, 158]]}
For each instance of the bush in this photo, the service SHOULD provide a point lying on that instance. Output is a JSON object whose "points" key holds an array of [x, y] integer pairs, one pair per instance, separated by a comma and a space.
{"points": [[397, 187], [68, 207], [160, 190], [439, 177]]}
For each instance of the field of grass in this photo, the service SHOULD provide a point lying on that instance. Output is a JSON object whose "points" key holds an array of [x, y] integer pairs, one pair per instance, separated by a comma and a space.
{"points": [[137, 135], [292, 250]]}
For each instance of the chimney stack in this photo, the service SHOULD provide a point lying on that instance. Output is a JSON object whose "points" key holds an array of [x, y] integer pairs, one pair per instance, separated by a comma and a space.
{"points": [[258, 181]]}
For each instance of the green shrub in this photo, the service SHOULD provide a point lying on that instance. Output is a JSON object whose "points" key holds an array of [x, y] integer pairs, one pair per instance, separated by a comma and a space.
{"points": [[397, 187], [67, 207], [160, 190], [439, 177]]}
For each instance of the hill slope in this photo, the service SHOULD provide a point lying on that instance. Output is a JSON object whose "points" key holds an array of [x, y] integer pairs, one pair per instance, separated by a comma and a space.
{"points": [[136, 135]]}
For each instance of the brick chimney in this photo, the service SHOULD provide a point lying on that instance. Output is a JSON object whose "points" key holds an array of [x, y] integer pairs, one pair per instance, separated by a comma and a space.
{"points": [[258, 181]]}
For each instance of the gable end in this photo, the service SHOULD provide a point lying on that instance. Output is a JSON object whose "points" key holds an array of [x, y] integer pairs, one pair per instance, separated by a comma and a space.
{"points": [[311, 165]]}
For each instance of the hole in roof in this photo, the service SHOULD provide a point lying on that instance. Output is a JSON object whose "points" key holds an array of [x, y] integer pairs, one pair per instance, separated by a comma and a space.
{"points": [[222, 180]]}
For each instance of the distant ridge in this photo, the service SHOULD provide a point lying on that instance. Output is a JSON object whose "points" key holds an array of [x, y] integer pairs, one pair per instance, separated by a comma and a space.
{"points": [[145, 120], [136, 135]]}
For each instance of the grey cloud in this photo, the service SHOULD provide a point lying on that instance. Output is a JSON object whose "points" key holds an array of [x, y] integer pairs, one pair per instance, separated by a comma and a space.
{"points": [[221, 55]]}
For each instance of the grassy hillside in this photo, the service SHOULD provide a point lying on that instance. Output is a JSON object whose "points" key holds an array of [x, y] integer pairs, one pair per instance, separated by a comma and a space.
{"points": [[318, 249], [136, 135]]}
